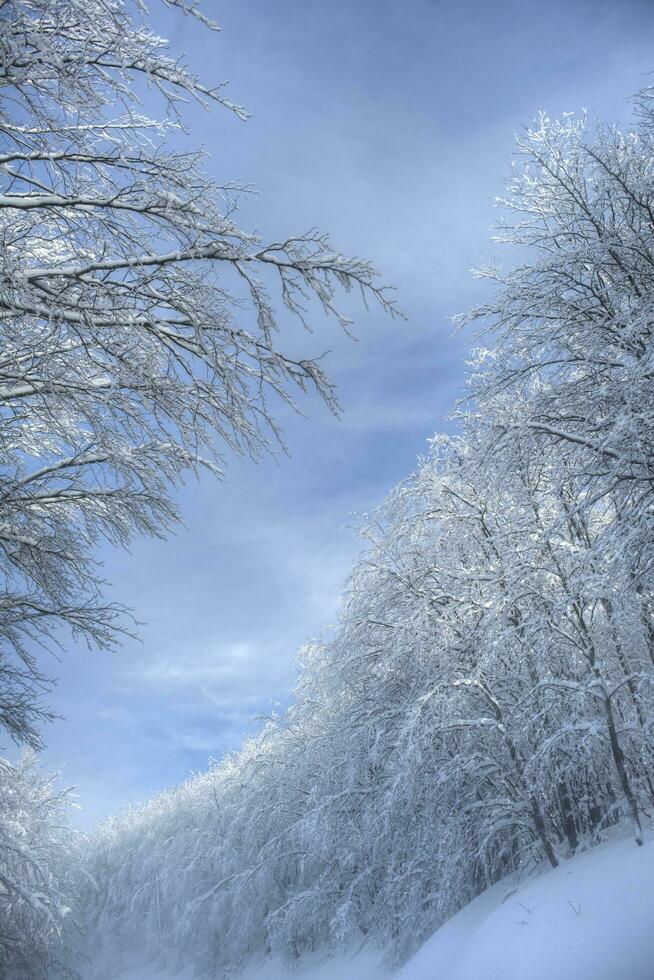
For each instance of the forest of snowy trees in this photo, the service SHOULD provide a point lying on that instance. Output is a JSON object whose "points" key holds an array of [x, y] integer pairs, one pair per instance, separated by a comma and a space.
{"points": [[486, 702]]}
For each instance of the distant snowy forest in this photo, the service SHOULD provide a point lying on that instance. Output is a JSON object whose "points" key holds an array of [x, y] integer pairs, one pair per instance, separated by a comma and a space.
{"points": [[486, 703]]}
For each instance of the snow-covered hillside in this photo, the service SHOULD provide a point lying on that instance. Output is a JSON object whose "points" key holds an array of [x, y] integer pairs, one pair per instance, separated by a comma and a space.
{"points": [[592, 918]]}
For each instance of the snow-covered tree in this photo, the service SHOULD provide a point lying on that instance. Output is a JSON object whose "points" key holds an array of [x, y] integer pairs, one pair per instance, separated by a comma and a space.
{"points": [[571, 324], [37, 867], [138, 321]]}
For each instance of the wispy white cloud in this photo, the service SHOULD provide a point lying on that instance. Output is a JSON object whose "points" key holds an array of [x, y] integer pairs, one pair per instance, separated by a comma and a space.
{"points": [[233, 678]]}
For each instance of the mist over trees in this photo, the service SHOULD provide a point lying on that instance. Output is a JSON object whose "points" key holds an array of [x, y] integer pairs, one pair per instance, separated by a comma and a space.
{"points": [[141, 338], [486, 704]]}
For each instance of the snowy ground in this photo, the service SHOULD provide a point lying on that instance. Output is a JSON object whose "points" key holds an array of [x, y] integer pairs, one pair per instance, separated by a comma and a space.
{"points": [[590, 919]]}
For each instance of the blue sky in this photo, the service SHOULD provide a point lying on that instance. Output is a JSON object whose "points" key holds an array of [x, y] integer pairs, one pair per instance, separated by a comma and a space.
{"points": [[389, 125]]}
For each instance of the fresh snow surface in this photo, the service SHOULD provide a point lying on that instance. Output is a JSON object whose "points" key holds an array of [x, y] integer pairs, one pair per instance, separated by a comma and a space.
{"points": [[592, 918]]}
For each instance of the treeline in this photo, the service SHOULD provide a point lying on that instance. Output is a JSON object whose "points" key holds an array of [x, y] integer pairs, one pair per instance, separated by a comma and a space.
{"points": [[485, 705]]}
